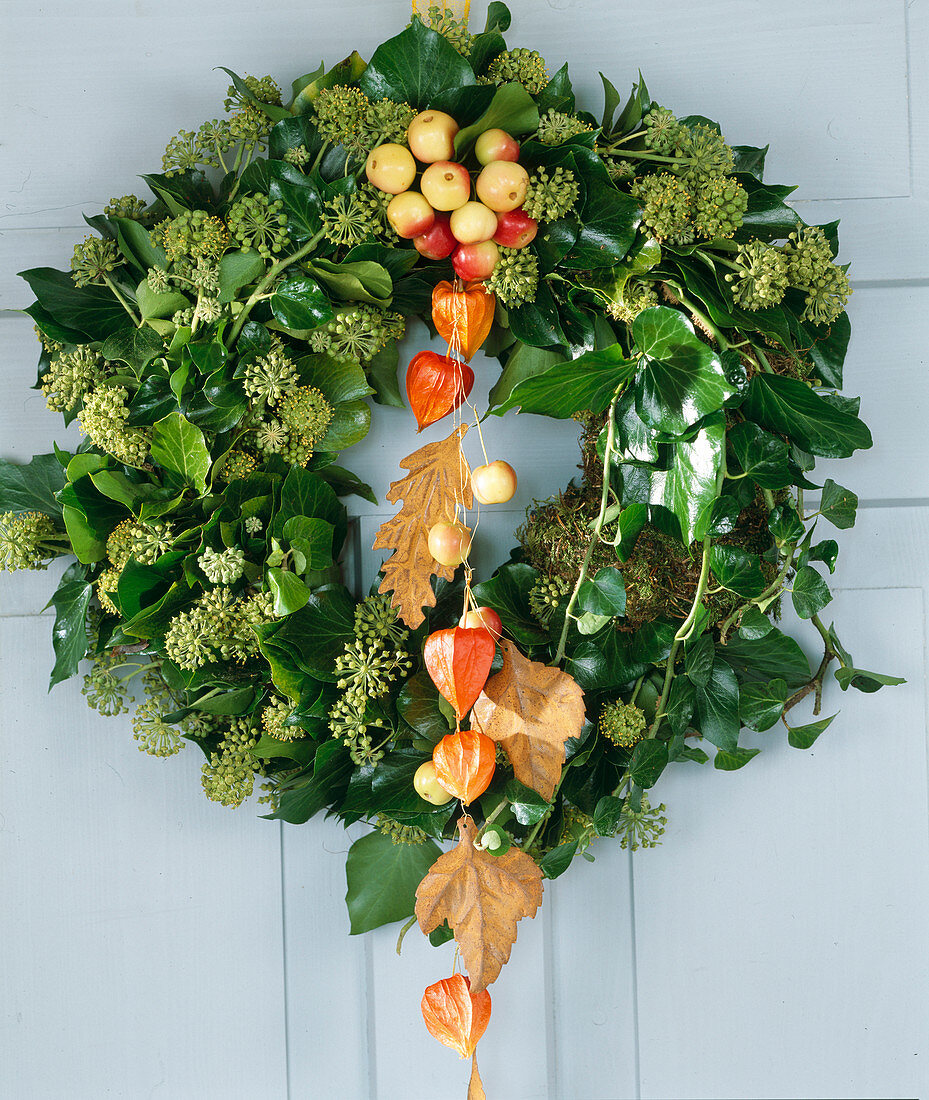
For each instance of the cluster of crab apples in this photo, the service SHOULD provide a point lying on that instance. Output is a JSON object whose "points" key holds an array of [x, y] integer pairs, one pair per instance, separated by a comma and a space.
{"points": [[493, 483], [442, 218]]}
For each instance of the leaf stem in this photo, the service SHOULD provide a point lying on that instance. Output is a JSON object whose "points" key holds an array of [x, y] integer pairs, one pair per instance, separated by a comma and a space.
{"points": [[272, 274], [403, 931], [122, 301], [598, 526]]}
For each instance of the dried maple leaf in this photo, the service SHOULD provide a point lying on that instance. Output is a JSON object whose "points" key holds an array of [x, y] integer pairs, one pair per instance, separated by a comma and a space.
{"points": [[482, 897], [531, 709], [439, 478]]}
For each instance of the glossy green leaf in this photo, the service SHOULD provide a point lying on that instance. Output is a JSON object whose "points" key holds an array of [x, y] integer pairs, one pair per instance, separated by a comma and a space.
{"points": [[136, 244], [790, 407], [760, 705], [699, 655], [332, 767], [528, 806], [609, 220], [717, 708], [238, 269], [754, 624], [179, 448], [774, 655], [289, 592], [603, 594], [558, 860], [761, 455], [300, 304], [361, 281], [524, 363], [507, 592], [608, 814], [69, 636], [587, 382], [416, 67], [31, 486], [785, 524], [512, 109], [92, 311], [838, 504], [865, 681], [155, 303], [803, 737], [136, 346], [382, 879], [418, 704], [732, 759], [688, 487], [737, 570], [649, 760], [810, 593]]}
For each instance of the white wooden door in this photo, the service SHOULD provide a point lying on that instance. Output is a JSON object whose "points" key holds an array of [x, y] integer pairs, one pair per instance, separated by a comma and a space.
{"points": [[153, 944]]}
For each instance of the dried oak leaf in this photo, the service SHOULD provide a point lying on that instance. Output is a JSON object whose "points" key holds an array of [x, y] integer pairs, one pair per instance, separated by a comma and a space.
{"points": [[531, 709], [482, 897], [439, 478]]}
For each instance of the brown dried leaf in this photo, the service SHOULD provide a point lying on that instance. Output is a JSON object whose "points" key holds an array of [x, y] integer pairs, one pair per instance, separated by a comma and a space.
{"points": [[482, 897], [439, 478], [531, 709]]}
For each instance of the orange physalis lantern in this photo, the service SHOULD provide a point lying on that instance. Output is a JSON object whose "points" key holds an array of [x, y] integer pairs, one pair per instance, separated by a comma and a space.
{"points": [[464, 764], [454, 1015], [463, 317], [458, 660], [435, 385]]}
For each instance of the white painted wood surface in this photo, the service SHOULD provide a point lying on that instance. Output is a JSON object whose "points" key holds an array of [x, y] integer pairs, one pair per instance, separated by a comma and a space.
{"points": [[154, 944]]}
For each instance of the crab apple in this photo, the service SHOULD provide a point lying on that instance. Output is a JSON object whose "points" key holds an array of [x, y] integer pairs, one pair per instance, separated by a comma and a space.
{"points": [[496, 145], [449, 543], [502, 185], [438, 242], [515, 229], [410, 214], [484, 617], [446, 185], [494, 483], [473, 223], [475, 261], [428, 787], [390, 168], [431, 136]]}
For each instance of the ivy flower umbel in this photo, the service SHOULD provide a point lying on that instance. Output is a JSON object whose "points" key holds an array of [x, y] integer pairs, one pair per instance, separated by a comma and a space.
{"points": [[106, 584], [155, 736], [350, 219], [339, 113], [358, 332], [28, 540], [306, 412], [270, 376], [103, 419], [454, 30], [145, 542], [69, 376], [663, 133], [515, 278], [401, 834], [546, 596], [641, 828], [218, 627], [126, 206], [556, 127], [629, 299], [761, 276], [526, 67], [666, 206], [274, 721], [810, 267], [192, 235], [104, 691], [229, 775], [703, 154], [719, 207], [222, 566], [551, 194], [623, 724], [92, 261], [255, 221]]}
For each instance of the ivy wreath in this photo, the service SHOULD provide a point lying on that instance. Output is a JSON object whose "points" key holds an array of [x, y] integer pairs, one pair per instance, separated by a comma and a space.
{"points": [[218, 347]]}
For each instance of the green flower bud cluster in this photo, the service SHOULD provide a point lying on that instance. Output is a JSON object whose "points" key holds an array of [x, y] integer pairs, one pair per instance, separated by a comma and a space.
{"points": [[53, 347], [454, 30], [546, 595], [105, 584], [623, 724], [305, 413], [158, 280], [218, 627], [93, 260], [265, 89], [620, 169], [556, 127], [145, 542], [103, 689], [628, 300], [810, 268], [642, 828], [270, 376], [401, 834], [253, 524], [274, 722], [761, 278], [358, 332], [103, 420], [298, 156], [350, 219], [719, 207], [377, 620], [206, 311], [236, 465], [249, 124], [551, 194], [254, 221], [367, 667], [222, 566], [69, 376], [345, 116], [155, 736], [183, 318], [703, 154], [526, 67], [28, 540], [666, 206], [515, 278], [663, 133], [192, 235], [229, 775], [127, 206], [185, 152], [576, 828]]}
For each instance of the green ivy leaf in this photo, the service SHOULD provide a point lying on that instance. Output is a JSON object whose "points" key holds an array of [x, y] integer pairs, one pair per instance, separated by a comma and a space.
{"points": [[717, 707], [69, 636], [774, 655], [137, 347], [682, 379], [525, 362], [810, 592], [416, 67], [607, 815], [785, 525], [790, 407], [604, 594], [289, 592], [688, 487], [609, 220], [699, 656], [838, 505], [737, 570], [528, 806], [865, 681], [754, 624], [32, 487], [179, 448], [382, 879], [360, 281], [649, 760], [507, 592], [558, 860], [92, 311], [512, 109], [733, 759], [587, 382], [332, 767], [803, 737], [761, 455], [300, 305], [238, 269], [418, 705], [760, 705]]}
